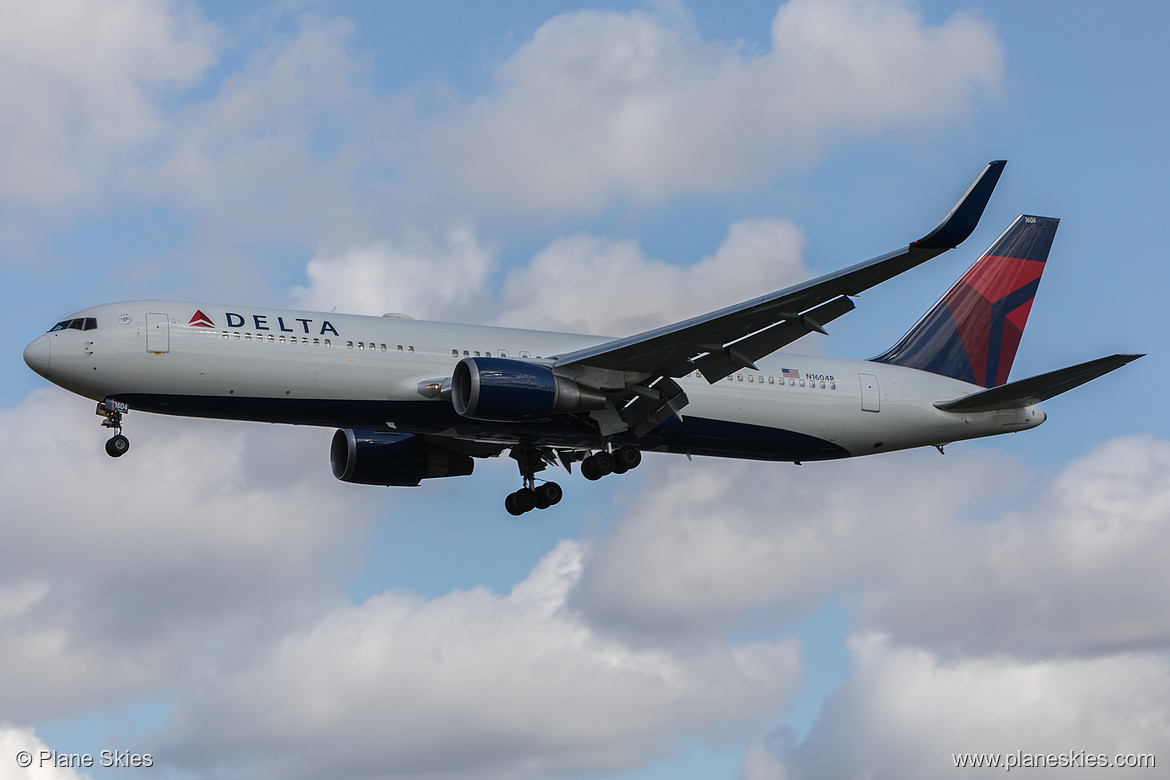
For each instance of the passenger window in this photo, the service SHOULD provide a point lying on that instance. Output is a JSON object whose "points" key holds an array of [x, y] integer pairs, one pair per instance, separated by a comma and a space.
{"points": [[487, 353], [832, 385], [454, 352], [237, 336], [739, 377], [476, 353], [247, 337], [349, 345], [410, 349], [822, 385], [282, 339], [771, 380], [316, 342], [466, 353], [524, 354], [802, 383], [503, 353], [328, 343], [383, 347], [792, 383]]}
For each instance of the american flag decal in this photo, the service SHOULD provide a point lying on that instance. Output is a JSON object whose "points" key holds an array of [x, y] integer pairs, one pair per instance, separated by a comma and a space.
{"points": [[790, 373]]}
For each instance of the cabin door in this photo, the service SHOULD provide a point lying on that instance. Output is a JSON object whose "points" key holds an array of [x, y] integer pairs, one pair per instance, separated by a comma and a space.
{"points": [[871, 397], [158, 333]]}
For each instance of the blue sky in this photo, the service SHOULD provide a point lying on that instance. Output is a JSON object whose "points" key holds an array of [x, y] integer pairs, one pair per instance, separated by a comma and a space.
{"points": [[220, 601]]}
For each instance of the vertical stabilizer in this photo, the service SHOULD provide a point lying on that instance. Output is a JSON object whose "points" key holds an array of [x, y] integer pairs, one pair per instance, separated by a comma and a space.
{"points": [[973, 332]]}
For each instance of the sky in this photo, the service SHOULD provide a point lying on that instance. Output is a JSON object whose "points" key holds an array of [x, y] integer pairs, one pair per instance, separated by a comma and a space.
{"points": [[217, 600]]}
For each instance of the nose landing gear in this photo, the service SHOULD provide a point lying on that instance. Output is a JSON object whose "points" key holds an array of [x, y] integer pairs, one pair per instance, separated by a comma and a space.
{"points": [[118, 445]]}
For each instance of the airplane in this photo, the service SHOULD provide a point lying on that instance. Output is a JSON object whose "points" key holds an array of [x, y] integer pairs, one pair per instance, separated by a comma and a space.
{"points": [[416, 400]]}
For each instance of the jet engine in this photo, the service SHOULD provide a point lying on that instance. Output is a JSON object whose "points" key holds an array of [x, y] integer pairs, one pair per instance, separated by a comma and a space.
{"points": [[503, 390], [401, 459]]}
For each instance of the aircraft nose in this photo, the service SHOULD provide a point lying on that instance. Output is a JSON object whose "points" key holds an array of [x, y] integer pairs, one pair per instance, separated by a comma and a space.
{"points": [[36, 355]]}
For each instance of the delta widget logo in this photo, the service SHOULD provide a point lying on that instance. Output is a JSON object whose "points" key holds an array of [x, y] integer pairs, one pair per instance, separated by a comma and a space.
{"points": [[200, 320]]}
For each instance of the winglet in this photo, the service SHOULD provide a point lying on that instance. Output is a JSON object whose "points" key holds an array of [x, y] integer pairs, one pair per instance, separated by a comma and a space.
{"points": [[963, 218]]}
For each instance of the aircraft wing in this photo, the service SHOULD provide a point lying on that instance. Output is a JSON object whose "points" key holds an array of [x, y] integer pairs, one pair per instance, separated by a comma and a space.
{"points": [[1033, 390], [723, 341]]}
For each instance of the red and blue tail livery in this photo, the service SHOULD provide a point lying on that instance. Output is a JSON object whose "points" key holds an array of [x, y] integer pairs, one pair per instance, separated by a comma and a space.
{"points": [[972, 333]]}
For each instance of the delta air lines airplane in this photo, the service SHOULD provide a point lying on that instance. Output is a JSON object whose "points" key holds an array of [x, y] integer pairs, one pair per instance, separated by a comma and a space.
{"points": [[416, 400]]}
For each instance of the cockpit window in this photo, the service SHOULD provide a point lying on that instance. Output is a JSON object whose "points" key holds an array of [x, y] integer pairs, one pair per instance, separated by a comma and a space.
{"points": [[80, 323]]}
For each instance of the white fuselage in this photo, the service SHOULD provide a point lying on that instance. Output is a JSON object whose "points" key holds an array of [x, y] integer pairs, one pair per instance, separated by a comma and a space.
{"points": [[382, 373]]}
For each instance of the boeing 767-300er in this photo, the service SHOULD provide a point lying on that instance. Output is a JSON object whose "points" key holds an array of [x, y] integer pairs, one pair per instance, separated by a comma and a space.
{"points": [[415, 400]]}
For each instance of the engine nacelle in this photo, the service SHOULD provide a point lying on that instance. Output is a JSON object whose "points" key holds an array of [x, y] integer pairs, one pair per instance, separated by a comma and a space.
{"points": [[377, 458], [504, 390]]}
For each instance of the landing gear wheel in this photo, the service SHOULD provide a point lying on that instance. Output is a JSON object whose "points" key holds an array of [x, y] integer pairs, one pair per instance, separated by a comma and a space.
{"points": [[627, 458], [117, 446], [597, 465], [548, 494], [523, 500], [510, 505]]}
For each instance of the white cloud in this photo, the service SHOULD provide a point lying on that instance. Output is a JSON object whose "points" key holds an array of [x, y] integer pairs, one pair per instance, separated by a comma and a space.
{"points": [[905, 711], [82, 84], [1079, 570], [417, 275], [471, 684], [284, 149], [580, 283], [587, 284], [634, 105], [14, 739], [116, 576], [704, 543], [298, 148]]}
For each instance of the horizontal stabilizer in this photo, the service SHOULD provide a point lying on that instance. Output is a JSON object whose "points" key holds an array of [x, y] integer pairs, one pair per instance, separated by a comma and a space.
{"points": [[1035, 389]]}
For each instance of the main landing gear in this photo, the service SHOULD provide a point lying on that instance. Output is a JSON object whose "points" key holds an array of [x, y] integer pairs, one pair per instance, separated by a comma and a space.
{"points": [[603, 463], [118, 445], [531, 496], [533, 459], [528, 498]]}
